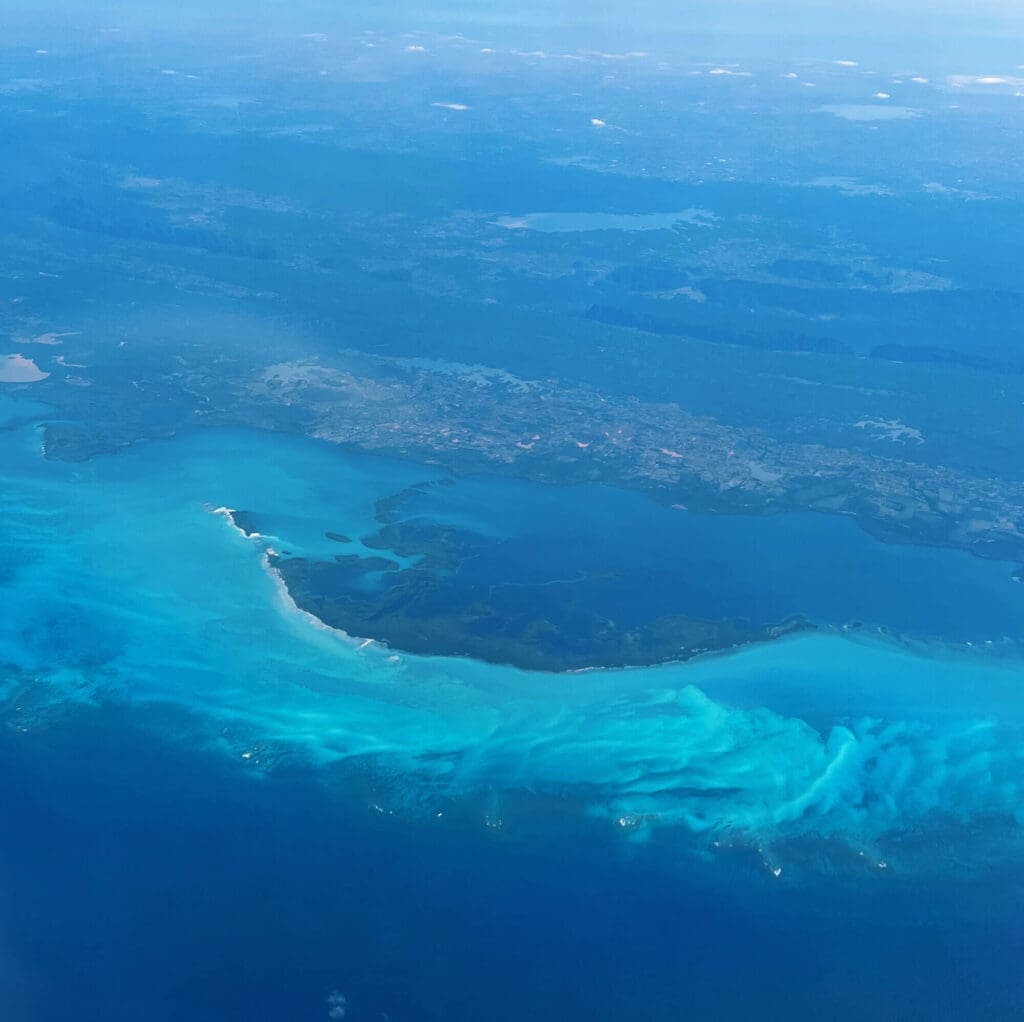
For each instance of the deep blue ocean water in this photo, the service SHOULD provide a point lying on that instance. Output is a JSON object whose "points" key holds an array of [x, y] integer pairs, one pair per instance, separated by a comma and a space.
{"points": [[216, 810], [143, 880]]}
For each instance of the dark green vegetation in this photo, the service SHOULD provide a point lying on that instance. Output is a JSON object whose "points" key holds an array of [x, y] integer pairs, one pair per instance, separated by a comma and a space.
{"points": [[422, 613], [429, 607]]}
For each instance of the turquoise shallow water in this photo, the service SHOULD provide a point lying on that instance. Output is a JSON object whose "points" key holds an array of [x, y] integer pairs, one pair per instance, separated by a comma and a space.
{"points": [[124, 588]]}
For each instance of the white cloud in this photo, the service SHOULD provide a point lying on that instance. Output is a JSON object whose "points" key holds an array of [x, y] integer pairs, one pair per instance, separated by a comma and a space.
{"points": [[846, 63], [869, 112], [451, 106], [882, 95], [598, 123], [632, 55], [937, 188], [337, 1005], [959, 81], [850, 186]]}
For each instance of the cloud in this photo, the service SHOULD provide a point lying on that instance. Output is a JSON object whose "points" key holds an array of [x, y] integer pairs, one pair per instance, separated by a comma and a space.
{"points": [[632, 55], [959, 81], [451, 106], [848, 186], [869, 112], [937, 188]]}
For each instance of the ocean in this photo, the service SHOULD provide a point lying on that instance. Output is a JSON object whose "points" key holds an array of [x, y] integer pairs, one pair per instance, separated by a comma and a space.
{"points": [[216, 809], [148, 880]]}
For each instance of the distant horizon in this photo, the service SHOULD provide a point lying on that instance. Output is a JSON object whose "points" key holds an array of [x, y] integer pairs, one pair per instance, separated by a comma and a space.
{"points": [[946, 37]]}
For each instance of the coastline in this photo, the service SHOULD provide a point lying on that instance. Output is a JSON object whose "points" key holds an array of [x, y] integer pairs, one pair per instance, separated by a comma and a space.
{"points": [[1007, 651]]}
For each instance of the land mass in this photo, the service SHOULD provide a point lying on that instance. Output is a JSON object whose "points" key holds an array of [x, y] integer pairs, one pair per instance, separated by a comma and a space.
{"points": [[475, 419]]}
